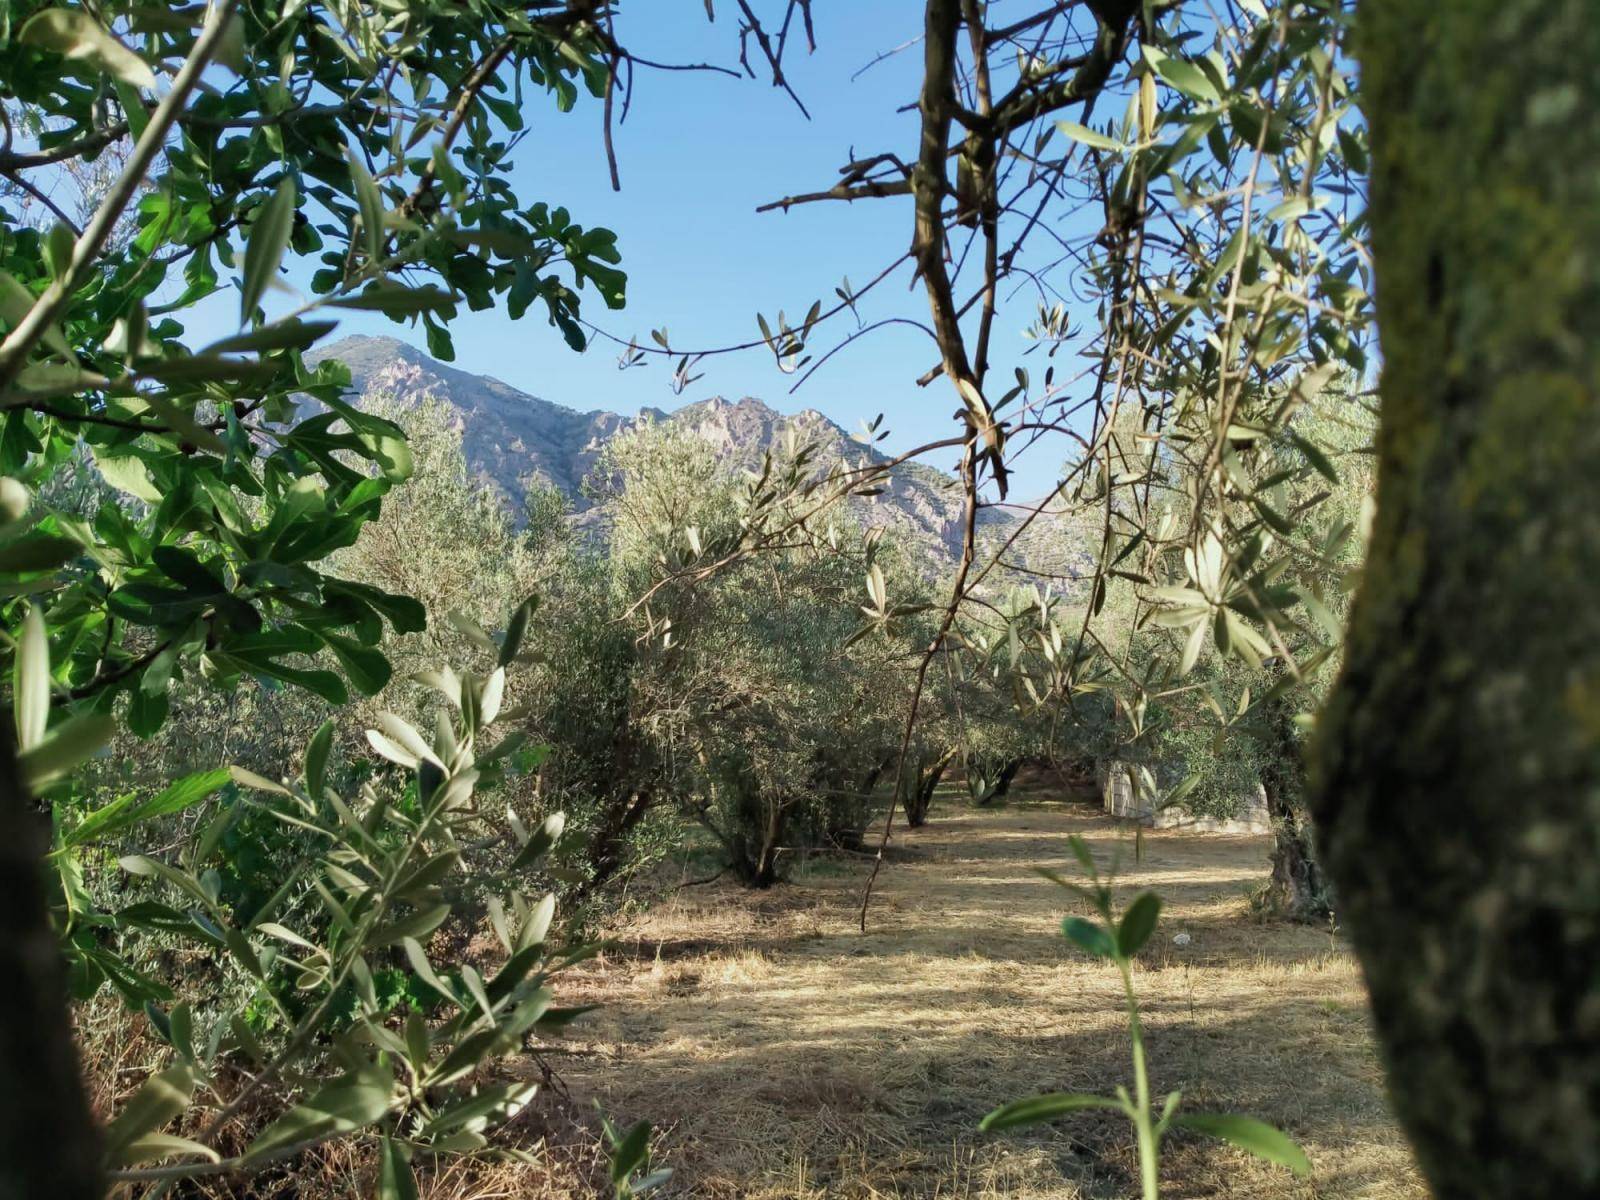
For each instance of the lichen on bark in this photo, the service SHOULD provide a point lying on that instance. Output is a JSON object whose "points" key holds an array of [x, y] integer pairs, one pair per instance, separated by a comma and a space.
{"points": [[1456, 770]]}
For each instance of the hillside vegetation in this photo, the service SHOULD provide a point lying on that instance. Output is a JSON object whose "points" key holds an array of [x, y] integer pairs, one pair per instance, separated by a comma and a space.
{"points": [[1173, 776]]}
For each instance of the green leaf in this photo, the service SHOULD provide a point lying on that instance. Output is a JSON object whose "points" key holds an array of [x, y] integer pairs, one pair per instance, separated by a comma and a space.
{"points": [[490, 1105], [316, 759], [1247, 1133], [1042, 1108], [1185, 76], [630, 1152], [159, 1100], [260, 783], [648, 1183], [424, 969], [404, 735], [125, 811], [230, 50], [182, 423], [59, 379], [366, 666], [1082, 133], [205, 369], [471, 1052], [397, 300], [15, 303], [418, 925], [269, 238], [1192, 646], [402, 612], [540, 843], [239, 946], [1315, 456], [1088, 936], [1138, 923], [58, 245], [73, 33], [1290, 210], [153, 1147], [322, 683], [30, 681], [371, 206], [280, 335], [184, 881], [37, 552], [64, 747], [395, 1181], [516, 629], [127, 473], [350, 1102], [1080, 851], [138, 115], [537, 927]]}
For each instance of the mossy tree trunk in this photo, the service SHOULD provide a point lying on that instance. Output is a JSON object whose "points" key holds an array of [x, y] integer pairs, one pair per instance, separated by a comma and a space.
{"points": [[1298, 888], [850, 810], [1456, 773], [921, 781], [621, 809], [755, 835], [1002, 783], [49, 1145]]}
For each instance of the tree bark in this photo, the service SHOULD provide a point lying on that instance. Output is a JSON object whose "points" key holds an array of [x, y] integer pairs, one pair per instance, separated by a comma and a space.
{"points": [[49, 1145], [621, 810], [1298, 888], [1456, 773], [849, 814], [609, 846], [924, 780], [1002, 784]]}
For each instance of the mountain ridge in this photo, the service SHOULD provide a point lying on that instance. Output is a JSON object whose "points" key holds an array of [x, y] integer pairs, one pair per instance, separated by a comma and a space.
{"points": [[510, 436]]}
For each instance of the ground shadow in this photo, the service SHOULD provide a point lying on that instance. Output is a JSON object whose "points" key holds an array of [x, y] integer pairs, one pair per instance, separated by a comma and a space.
{"points": [[789, 1055]]}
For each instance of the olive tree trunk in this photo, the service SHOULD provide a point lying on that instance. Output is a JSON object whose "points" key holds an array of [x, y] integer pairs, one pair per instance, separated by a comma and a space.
{"points": [[1008, 773], [1297, 889], [921, 781], [1456, 774], [49, 1145]]}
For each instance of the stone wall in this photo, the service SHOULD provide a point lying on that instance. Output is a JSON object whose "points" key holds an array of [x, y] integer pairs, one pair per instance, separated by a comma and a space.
{"points": [[1120, 793], [1124, 797]]}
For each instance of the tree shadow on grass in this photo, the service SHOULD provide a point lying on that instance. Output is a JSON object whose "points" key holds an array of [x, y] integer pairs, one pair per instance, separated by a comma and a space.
{"points": [[789, 1052], [897, 1108]]}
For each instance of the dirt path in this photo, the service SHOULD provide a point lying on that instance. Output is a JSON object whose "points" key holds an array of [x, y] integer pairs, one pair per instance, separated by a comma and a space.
{"points": [[784, 1054]]}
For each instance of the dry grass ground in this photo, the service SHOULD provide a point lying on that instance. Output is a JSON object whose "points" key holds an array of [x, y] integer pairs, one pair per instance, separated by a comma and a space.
{"points": [[783, 1054]]}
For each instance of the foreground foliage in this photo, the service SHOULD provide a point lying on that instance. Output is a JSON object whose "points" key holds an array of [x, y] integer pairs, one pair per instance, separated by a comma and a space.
{"points": [[304, 1015], [197, 142]]}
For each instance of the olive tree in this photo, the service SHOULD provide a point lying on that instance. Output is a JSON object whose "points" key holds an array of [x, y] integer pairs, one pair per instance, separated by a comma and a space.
{"points": [[759, 678]]}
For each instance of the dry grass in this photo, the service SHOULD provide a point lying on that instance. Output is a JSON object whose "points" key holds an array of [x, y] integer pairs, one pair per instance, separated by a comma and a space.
{"points": [[784, 1054]]}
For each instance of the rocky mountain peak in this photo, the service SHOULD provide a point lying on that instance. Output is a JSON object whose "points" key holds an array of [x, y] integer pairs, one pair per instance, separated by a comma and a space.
{"points": [[511, 437]]}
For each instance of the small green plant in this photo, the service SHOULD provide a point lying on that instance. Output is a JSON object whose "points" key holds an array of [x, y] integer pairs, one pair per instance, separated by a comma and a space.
{"points": [[1118, 940], [631, 1174]]}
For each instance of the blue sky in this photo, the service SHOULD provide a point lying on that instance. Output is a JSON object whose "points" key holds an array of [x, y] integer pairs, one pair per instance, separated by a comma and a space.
{"points": [[698, 153]]}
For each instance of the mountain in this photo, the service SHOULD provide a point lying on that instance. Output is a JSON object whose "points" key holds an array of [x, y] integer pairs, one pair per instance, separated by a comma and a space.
{"points": [[510, 436], [507, 434]]}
